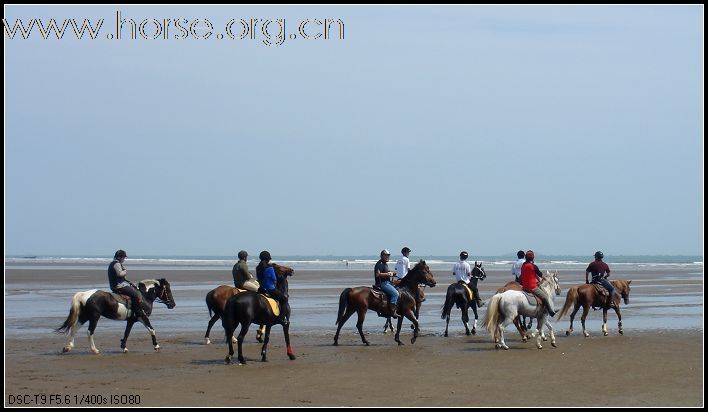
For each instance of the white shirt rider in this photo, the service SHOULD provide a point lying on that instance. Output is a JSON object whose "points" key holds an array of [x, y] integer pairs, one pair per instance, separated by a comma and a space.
{"points": [[403, 265], [462, 271], [516, 268]]}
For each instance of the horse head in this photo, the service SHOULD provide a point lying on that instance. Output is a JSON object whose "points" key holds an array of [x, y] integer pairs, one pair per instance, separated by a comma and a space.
{"points": [[478, 271], [281, 277], [162, 291], [421, 274], [623, 288], [553, 279]]}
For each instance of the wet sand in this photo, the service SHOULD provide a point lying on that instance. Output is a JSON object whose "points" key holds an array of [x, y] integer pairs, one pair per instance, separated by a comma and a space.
{"points": [[654, 366]]}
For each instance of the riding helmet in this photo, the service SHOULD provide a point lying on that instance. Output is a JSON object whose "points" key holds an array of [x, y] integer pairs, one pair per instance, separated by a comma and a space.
{"points": [[242, 254], [520, 254], [385, 252], [405, 250], [264, 255], [599, 255], [530, 256], [464, 255]]}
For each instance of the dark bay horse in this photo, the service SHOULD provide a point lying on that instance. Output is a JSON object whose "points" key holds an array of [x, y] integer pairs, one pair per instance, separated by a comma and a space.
{"points": [[249, 307], [586, 295], [216, 302], [418, 302], [92, 304], [457, 296], [362, 299]]}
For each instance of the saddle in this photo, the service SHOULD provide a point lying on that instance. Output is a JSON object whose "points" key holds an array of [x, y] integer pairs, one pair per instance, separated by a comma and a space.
{"points": [[603, 293], [383, 297]]}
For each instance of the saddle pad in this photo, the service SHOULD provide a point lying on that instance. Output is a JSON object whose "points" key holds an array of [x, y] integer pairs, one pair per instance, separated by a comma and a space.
{"points": [[273, 305], [601, 289], [533, 299], [470, 295]]}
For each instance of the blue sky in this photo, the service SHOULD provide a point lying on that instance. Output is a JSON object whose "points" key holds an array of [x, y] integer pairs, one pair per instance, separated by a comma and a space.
{"points": [[563, 129]]}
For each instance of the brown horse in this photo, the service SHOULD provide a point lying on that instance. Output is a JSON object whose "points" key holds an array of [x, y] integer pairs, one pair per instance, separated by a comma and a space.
{"points": [[362, 299], [586, 296], [421, 298], [216, 302]]}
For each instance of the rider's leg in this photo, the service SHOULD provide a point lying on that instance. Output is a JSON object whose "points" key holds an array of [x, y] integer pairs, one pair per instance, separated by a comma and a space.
{"points": [[392, 293], [477, 298], [613, 300], [135, 300], [546, 302], [282, 301]]}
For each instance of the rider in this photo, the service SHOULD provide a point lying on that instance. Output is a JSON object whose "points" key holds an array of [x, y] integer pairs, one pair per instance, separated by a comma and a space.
{"points": [[119, 284], [267, 280], [530, 276], [382, 279], [516, 267], [600, 272], [403, 266], [243, 279], [463, 274]]}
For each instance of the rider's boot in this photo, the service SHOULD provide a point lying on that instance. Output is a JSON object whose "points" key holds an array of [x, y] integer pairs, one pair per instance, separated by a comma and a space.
{"points": [[480, 302]]}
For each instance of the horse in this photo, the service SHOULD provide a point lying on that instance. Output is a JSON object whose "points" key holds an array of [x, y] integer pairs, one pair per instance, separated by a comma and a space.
{"points": [[504, 308], [363, 298], [514, 285], [586, 296], [457, 295], [421, 298], [92, 304], [216, 302], [250, 307]]}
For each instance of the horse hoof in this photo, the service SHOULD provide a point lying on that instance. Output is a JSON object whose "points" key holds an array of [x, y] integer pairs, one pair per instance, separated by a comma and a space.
{"points": [[567, 333], [540, 347], [227, 360], [157, 348], [412, 341], [400, 343], [366, 343], [621, 332], [554, 344], [66, 349], [586, 334], [474, 331], [291, 356], [96, 351], [544, 338], [125, 350], [468, 333], [335, 343], [207, 342], [505, 347], [604, 333]]}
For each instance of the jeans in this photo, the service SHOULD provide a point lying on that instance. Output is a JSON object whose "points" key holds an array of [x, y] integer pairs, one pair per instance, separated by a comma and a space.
{"points": [[606, 283], [390, 290]]}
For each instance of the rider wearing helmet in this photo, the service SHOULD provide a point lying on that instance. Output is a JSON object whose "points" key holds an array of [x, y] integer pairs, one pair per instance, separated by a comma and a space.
{"points": [[600, 272], [530, 276], [243, 279], [382, 279], [462, 271], [119, 284], [267, 279]]}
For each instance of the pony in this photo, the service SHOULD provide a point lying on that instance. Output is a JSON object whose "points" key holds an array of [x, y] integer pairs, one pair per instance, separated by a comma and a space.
{"points": [[457, 295], [216, 302], [92, 304], [363, 298], [586, 296], [505, 307], [250, 307]]}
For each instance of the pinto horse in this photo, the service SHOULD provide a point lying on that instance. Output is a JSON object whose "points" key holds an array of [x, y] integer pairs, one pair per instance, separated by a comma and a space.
{"points": [[504, 308], [216, 302], [457, 296], [250, 307], [586, 296], [362, 299], [92, 304]]}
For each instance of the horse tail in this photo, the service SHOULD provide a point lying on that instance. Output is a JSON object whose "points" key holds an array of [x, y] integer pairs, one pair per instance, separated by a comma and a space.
{"points": [[209, 301], [449, 302], [570, 300], [492, 317], [343, 298], [73, 314]]}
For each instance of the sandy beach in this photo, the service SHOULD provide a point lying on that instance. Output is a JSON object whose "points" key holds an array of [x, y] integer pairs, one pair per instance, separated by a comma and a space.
{"points": [[647, 366]]}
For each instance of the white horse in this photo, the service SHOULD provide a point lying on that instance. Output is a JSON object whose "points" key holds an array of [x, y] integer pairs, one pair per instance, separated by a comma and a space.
{"points": [[505, 307]]}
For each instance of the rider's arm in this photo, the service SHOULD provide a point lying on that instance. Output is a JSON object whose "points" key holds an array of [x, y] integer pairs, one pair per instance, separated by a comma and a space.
{"points": [[586, 277], [120, 271]]}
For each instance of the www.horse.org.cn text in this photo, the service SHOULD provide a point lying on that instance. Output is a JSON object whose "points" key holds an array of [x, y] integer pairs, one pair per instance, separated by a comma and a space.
{"points": [[268, 31]]}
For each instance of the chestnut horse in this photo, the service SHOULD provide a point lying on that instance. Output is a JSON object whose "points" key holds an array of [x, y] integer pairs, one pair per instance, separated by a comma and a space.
{"points": [[586, 296], [92, 304], [457, 295], [216, 302], [250, 307], [362, 299]]}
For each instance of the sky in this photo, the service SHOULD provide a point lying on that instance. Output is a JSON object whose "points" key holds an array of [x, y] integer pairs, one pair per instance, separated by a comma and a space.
{"points": [[562, 129]]}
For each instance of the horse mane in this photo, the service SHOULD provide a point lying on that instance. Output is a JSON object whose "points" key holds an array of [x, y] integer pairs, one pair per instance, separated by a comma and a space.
{"points": [[149, 283]]}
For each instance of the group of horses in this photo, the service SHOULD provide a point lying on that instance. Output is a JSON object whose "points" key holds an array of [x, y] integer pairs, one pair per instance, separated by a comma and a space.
{"points": [[241, 308]]}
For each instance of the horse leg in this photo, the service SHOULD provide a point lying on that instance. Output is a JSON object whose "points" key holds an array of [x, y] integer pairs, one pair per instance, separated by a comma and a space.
{"points": [[70, 341], [447, 323], [153, 334], [92, 327], [465, 319], [586, 308], [346, 317], [572, 317], [286, 333], [519, 326], [241, 335], [619, 319], [539, 330], [553, 335], [229, 331], [264, 349], [124, 341], [502, 344], [388, 325], [361, 314], [260, 332], [476, 316], [416, 327], [211, 323], [417, 311]]}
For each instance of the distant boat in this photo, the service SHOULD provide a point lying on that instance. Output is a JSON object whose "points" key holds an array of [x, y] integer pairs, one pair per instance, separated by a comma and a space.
{"points": [[30, 257]]}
